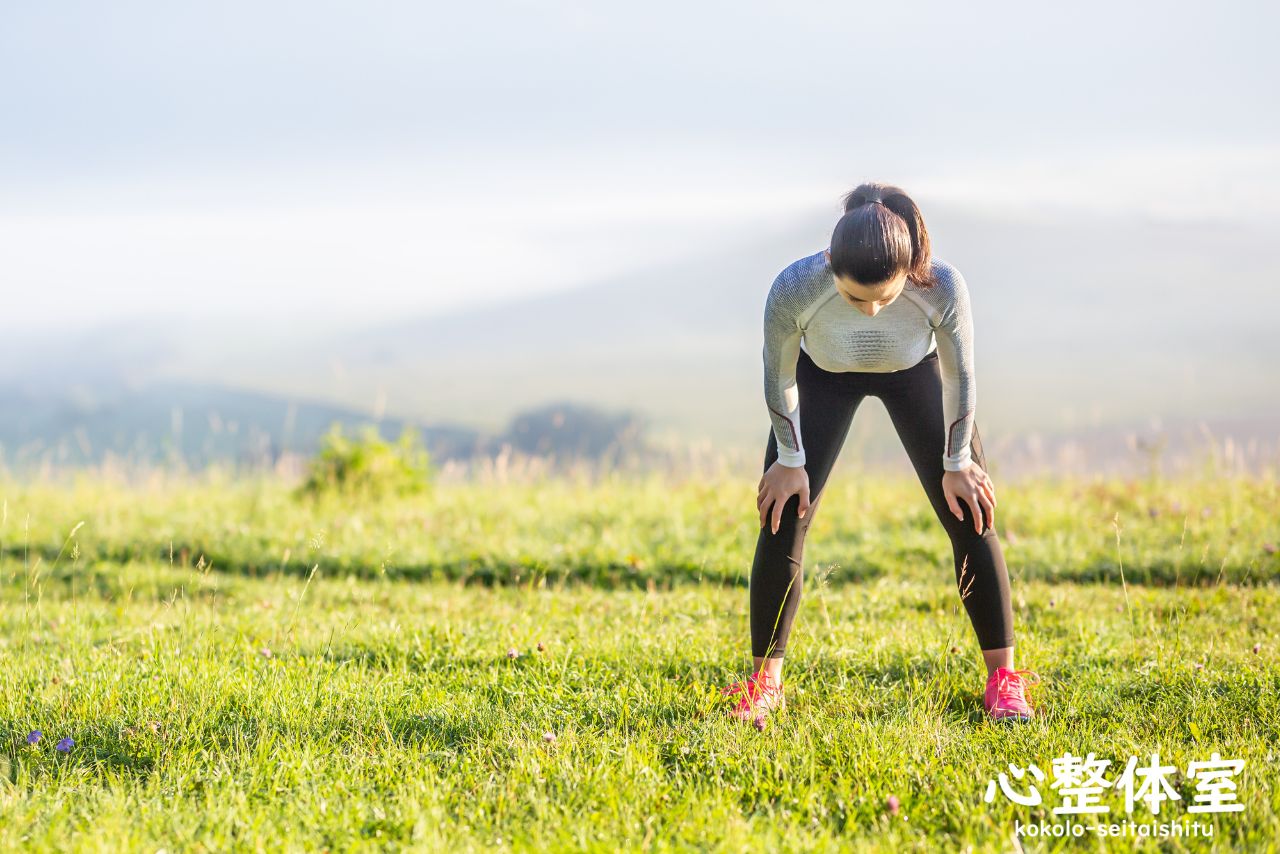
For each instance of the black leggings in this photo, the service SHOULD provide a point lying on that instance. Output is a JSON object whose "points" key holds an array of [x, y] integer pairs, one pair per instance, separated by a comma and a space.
{"points": [[913, 398]]}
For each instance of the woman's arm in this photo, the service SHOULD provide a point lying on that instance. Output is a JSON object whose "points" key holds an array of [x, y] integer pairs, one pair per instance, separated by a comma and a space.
{"points": [[782, 334], [959, 385], [964, 480], [781, 350]]}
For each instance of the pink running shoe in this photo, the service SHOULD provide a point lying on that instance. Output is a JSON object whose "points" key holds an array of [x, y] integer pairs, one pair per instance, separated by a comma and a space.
{"points": [[760, 696], [1005, 696]]}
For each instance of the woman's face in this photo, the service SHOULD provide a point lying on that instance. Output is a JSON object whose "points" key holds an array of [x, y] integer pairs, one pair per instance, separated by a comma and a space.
{"points": [[869, 299]]}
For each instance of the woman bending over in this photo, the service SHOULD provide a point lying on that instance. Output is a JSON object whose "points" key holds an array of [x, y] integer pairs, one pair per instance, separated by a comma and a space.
{"points": [[875, 314]]}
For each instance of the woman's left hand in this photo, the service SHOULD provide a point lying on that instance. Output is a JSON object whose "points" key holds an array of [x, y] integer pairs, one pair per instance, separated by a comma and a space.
{"points": [[974, 486]]}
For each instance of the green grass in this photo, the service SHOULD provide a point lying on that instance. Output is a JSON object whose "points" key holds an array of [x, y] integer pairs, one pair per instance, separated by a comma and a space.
{"points": [[648, 533], [243, 671]]}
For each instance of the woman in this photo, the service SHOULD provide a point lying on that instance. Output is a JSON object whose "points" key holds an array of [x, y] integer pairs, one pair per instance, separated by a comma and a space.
{"points": [[875, 314]]}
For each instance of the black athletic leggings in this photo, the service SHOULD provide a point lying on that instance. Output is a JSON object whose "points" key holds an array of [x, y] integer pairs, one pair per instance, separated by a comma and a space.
{"points": [[913, 398]]}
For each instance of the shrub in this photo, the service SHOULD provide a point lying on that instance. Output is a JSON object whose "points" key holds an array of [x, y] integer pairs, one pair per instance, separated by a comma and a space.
{"points": [[368, 465]]}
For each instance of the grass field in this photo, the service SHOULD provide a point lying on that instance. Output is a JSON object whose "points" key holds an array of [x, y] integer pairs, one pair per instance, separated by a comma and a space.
{"points": [[535, 665]]}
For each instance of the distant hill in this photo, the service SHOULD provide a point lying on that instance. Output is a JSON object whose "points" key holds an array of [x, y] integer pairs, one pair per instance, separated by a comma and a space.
{"points": [[1085, 326], [197, 423]]}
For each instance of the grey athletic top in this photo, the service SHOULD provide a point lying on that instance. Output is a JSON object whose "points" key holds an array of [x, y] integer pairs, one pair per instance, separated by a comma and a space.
{"points": [[804, 311]]}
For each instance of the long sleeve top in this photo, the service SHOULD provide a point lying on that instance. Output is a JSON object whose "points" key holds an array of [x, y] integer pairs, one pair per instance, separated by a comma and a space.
{"points": [[804, 311]]}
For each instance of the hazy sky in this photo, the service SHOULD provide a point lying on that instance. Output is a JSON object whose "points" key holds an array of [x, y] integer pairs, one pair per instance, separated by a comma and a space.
{"points": [[345, 162]]}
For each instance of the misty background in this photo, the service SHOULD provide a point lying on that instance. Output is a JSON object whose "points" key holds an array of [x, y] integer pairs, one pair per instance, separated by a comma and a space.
{"points": [[224, 227]]}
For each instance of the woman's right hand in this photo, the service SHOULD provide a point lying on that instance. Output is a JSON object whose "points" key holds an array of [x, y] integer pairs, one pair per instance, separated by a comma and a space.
{"points": [[776, 488]]}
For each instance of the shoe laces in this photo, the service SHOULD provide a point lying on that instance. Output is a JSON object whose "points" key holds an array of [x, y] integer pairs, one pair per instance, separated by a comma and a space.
{"points": [[1013, 680], [753, 686]]}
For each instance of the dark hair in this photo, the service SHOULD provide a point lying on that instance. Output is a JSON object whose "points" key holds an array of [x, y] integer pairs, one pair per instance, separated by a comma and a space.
{"points": [[880, 236]]}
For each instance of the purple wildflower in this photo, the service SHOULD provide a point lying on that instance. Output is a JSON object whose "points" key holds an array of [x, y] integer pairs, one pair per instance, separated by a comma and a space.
{"points": [[34, 736], [760, 723], [892, 803], [65, 745]]}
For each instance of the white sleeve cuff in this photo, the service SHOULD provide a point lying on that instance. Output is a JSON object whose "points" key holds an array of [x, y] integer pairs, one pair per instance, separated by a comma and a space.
{"points": [[792, 459]]}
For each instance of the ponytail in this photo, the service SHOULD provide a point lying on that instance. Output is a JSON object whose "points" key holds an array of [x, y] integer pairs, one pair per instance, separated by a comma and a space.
{"points": [[881, 236]]}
